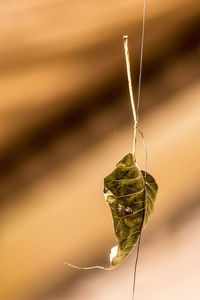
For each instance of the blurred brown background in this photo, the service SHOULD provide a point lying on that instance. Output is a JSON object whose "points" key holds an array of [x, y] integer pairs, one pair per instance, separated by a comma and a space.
{"points": [[66, 121]]}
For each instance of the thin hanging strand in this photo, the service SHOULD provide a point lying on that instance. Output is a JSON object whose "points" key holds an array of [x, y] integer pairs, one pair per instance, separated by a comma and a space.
{"points": [[141, 59], [146, 153], [139, 240], [128, 68], [135, 268], [138, 104]]}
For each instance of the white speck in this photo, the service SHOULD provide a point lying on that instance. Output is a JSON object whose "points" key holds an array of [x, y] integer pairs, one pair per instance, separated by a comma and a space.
{"points": [[113, 253]]}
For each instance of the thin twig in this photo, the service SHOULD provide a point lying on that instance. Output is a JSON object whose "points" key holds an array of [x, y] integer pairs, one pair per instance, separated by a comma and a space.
{"points": [[125, 38]]}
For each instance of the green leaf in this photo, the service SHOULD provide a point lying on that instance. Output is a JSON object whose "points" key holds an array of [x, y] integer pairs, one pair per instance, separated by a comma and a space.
{"points": [[130, 194]]}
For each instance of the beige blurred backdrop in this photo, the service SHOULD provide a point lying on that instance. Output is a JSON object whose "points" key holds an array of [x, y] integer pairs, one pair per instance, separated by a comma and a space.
{"points": [[65, 121]]}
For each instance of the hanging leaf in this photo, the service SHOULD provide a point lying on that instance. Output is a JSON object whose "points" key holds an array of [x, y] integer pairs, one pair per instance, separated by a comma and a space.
{"points": [[130, 194]]}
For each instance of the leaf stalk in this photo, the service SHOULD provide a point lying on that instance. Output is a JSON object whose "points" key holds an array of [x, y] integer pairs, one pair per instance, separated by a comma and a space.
{"points": [[128, 68]]}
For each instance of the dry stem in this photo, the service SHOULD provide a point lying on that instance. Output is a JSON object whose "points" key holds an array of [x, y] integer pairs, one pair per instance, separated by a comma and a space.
{"points": [[125, 38]]}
